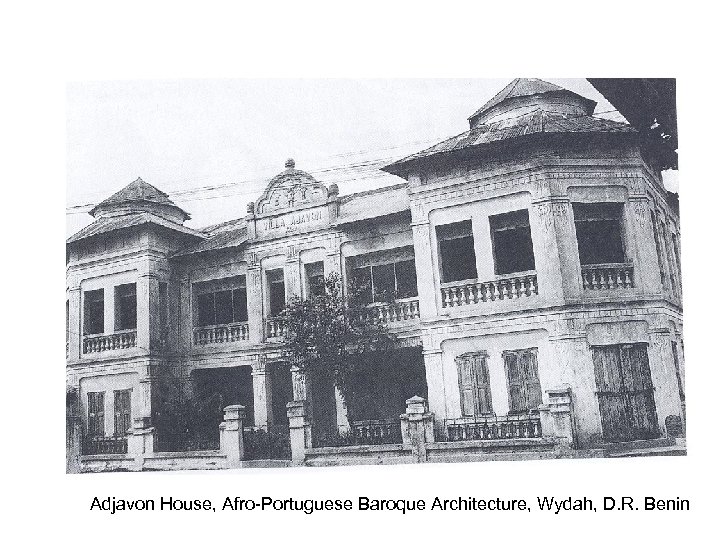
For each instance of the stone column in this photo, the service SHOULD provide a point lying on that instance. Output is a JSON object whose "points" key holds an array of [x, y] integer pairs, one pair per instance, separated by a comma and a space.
{"points": [[641, 244], [185, 315], [292, 274], [662, 370], [231, 435], [435, 377], [74, 346], [148, 312], [73, 442], [424, 270], [417, 427], [262, 397], [300, 430], [255, 299], [555, 246], [556, 417]]}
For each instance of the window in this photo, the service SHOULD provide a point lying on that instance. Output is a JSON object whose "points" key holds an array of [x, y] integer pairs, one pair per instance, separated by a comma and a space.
{"points": [[384, 282], [598, 227], [512, 242], [276, 291], [474, 383], [96, 414], [94, 312], [457, 251], [221, 302], [126, 307], [315, 278], [122, 412], [524, 389]]}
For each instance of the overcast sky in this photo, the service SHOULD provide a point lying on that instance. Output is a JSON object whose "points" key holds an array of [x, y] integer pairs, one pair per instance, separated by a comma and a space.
{"points": [[232, 136]]}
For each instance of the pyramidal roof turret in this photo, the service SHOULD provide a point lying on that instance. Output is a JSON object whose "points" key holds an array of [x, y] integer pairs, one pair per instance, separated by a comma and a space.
{"points": [[526, 109], [141, 196], [512, 96]]}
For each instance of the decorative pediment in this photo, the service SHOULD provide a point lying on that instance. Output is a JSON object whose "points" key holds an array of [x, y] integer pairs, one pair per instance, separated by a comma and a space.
{"points": [[290, 189]]}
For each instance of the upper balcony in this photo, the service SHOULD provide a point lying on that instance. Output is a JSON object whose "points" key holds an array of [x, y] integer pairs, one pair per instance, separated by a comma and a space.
{"points": [[469, 292]]}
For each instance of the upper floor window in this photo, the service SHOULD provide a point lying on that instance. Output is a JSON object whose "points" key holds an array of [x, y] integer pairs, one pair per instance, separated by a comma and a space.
{"points": [[315, 278], [276, 291], [126, 307], [512, 242], [385, 281], [94, 312], [599, 230], [221, 302], [456, 247]]}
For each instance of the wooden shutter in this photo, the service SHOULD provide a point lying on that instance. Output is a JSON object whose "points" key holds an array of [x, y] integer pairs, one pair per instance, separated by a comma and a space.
{"points": [[122, 412], [474, 383], [524, 390], [96, 414]]}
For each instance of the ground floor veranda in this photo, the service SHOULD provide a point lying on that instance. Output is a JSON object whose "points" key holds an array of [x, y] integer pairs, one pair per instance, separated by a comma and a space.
{"points": [[621, 371]]}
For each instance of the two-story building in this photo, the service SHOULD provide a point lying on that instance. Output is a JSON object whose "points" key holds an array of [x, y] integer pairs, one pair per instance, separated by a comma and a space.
{"points": [[535, 251]]}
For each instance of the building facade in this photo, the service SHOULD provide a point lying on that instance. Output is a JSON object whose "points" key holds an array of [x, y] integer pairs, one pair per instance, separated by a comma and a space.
{"points": [[537, 251]]}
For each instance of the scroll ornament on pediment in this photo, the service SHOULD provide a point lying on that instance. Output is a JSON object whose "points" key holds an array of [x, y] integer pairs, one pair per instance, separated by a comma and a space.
{"points": [[289, 189]]}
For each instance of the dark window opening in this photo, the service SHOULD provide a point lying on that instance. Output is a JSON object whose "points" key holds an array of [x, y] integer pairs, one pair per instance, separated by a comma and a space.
{"points": [[163, 305], [276, 290], [222, 307], [598, 228], [385, 282], [315, 278], [512, 242], [457, 251], [126, 307], [521, 369], [94, 312]]}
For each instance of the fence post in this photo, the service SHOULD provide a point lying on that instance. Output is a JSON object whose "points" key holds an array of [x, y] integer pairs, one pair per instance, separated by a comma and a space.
{"points": [[141, 440], [300, 430], [417, 427], [231, 435], [556, 417]]}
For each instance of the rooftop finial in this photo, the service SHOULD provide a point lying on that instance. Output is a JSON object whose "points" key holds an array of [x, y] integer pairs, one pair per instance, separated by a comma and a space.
{"points": [[290, 163]]}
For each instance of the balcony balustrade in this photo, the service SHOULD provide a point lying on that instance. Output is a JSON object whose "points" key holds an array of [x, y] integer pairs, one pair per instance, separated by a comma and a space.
{"points": [[472, 292], [221, 333], [274, 328], [600, 277], [93, 445], [109, 342], [395, 312]]}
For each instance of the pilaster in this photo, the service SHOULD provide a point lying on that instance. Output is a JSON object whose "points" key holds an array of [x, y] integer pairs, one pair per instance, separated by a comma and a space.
{"points": [[255, 298], [424, 270], [435, 377], [74, 345], [262, 397]]}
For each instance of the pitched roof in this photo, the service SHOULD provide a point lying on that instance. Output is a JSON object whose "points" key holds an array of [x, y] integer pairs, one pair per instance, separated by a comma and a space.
{"points": [[138, 191], [224, 235], [106, 224], [373, 204], [519, 88], [532, 123]]}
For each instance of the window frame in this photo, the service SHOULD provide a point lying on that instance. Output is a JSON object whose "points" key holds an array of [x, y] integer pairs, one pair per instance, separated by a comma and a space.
{"points": [[120, 297], [95, 414], [441, 237], [617, 208], [474, 377], [101, 301], [395, 293], [525, 213], [530, 387], [235, 285]]}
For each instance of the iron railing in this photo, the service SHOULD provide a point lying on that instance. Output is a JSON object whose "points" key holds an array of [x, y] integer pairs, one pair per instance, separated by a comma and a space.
{"points": [[513, 426], [93, 445]]}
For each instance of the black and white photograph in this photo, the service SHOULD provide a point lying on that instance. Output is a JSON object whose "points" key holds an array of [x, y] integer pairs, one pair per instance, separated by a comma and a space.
{"points": [[316, 272]]}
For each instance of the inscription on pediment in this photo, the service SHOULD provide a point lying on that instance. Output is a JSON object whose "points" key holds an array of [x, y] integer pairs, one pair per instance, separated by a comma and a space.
{"points": [[291, 189]]}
